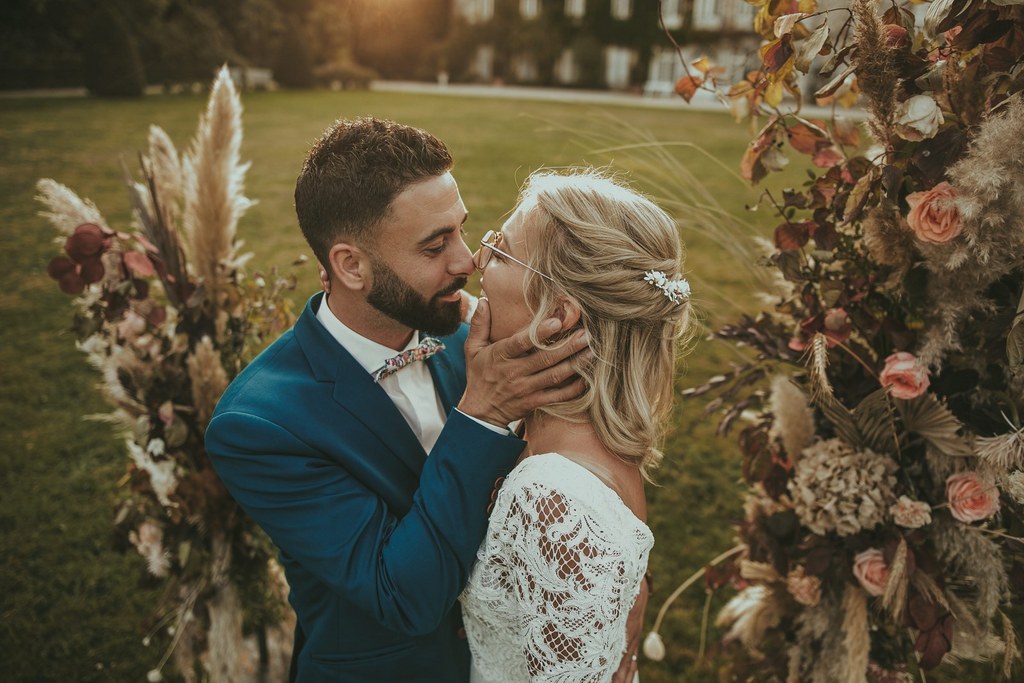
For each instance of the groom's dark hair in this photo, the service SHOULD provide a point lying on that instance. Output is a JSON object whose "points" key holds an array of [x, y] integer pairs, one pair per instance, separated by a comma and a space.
{"points": [[353, 173]]}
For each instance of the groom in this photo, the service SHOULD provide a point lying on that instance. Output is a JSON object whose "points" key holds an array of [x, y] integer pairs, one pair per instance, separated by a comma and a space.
{"points": [[365, 449]]}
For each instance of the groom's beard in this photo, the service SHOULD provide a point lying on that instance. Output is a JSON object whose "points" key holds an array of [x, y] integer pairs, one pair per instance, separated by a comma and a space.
{"points": [[393, 297]]}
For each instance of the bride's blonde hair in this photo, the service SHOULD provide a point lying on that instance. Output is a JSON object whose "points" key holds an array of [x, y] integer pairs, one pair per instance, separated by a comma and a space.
{"points": [[597, 239]]}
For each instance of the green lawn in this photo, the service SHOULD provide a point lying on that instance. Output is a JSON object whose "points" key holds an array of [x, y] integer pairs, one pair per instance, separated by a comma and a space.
{"points": [[72, 606]]}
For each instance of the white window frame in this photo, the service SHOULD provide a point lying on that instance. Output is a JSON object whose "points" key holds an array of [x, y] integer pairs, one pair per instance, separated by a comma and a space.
{"points": [[622, 9], [529, 9], [575, 8], [671, 13]]}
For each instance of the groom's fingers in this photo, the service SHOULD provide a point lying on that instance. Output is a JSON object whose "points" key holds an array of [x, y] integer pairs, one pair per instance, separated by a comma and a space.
{"points": [[519, 344], [479, 329]]}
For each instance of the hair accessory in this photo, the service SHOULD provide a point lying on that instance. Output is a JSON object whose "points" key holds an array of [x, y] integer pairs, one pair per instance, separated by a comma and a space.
{"points": [[427, 347], [676, 289]]}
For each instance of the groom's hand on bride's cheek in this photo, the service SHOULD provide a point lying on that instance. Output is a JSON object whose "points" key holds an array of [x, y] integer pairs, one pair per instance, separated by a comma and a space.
{"points": [[507, 380]]}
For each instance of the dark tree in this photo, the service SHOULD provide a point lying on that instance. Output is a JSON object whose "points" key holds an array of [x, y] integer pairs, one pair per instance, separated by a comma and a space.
{"points": [[294, 65], [110, 56]]}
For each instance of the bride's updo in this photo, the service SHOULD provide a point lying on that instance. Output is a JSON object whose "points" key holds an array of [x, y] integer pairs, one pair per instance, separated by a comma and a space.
{"points": [[619, 257]]}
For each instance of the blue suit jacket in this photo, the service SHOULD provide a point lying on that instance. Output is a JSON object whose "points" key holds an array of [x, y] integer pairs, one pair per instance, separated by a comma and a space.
{"points": [[377, 540]]}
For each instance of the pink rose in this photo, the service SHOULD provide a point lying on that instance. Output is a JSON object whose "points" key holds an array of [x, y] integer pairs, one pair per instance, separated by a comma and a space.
{"points": [[933, 214], [971, 498], [908, 377], [871, 571]]}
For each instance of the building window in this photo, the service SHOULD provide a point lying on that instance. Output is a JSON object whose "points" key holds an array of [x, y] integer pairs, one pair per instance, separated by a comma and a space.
{"points": [[705, 15], [524, 69], [483, 63], [618, 62], [622, 9], [566, 69], [671, 13], [529, 8], [575, 8], [476, 11]]}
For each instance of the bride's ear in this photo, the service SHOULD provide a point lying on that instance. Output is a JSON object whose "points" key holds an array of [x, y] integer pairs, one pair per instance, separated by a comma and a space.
{"points": [[568, 311]]}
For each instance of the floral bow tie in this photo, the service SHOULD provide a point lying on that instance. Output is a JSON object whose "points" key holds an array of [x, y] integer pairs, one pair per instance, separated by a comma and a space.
{"points": [[427, 347]]}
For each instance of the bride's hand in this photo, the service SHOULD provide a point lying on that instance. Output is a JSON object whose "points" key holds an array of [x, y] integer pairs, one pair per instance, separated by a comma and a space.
{"points": [[634, 627], [509, 379]]}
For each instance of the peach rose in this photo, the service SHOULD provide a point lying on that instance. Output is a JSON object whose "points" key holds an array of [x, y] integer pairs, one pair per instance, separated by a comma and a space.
{"points": [[871, 571], [933, 214], [911, 514], [971, 498], [805, 589], [908, 377]]}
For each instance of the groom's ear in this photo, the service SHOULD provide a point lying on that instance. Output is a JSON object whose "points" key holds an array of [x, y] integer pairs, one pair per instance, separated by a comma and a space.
{"points": [[350, 266]]}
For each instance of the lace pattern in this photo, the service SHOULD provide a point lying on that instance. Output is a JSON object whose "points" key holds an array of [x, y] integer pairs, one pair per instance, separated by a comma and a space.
{"points": [[555, 578]]}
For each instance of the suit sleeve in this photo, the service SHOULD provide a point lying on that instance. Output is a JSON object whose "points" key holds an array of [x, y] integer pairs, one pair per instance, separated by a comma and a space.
{"points": [[344, 534]]}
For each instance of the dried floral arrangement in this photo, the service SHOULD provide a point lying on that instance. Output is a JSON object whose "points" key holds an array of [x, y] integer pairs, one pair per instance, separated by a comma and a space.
{"points": [[167, 316], [880, 414]]}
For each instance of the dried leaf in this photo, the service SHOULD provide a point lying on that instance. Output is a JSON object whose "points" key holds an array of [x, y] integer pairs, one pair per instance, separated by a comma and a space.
{"points": [[687, 86], [776, 55], [875, 420], [832, 86], [933, 422], [811, 48], [1015, 344], [806, 138], [785, 24], [139, 264], [792, 236], [858, 198]]}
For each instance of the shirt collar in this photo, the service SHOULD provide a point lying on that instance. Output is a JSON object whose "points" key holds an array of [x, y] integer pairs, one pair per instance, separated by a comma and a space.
{"points": [[368, 353]]}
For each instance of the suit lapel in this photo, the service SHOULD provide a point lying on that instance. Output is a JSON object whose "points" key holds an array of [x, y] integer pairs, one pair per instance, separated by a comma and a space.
{"points": [[355, 390], [446, 382]]}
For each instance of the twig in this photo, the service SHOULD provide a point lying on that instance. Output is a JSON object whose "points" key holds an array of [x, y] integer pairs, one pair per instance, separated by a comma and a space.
{"points": [[690, 581]]}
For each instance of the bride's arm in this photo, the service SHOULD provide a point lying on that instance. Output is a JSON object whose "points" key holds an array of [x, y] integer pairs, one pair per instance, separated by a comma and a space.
{"points": [[580, 582]]}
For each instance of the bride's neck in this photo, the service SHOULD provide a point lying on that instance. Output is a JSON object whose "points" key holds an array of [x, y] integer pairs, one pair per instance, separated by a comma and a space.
{"points": [[550, 434]]}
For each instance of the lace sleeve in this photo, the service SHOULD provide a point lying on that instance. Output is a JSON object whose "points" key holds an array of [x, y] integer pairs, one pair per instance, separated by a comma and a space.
{"points": [[579, 584]]}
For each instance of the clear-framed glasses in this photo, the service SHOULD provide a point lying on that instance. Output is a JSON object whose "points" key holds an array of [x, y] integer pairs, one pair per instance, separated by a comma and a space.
{"points": [[489, 247]]}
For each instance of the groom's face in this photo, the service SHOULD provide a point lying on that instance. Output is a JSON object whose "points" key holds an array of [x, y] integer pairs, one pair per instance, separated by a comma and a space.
{"points": [[419, 261]]}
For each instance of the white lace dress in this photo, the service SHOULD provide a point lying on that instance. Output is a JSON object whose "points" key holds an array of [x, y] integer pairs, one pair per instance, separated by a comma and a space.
{"points": [[555, 578]]}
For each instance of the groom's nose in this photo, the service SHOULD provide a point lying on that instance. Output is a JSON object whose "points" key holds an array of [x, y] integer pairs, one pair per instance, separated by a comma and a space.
{"points": [[462, 260]]}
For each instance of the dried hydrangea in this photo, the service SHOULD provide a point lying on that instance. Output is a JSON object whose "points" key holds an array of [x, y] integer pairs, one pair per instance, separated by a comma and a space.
{"points": [[1015, 486], [836, 488]]}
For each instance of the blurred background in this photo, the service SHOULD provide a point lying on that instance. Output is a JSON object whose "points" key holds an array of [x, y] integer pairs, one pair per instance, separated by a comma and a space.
{"points": [[122, 46], [77, 603]]}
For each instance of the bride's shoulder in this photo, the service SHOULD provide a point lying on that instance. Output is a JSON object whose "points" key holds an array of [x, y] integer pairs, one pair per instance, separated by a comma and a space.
{"points": [[586, 488]]}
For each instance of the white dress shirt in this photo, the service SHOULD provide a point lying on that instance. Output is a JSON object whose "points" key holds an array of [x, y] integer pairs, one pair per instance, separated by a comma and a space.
{"points": [[411, 389]]}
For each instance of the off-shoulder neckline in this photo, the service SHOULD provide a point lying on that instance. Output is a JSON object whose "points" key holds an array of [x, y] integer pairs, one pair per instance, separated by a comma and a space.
{"points": [[609, 491]]}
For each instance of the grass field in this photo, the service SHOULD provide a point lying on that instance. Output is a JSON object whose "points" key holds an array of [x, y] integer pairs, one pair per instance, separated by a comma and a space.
{"points": [[72, 606]]}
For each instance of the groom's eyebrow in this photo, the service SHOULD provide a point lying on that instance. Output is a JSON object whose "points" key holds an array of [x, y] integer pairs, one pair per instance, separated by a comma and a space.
{"points": [[441, 231]]}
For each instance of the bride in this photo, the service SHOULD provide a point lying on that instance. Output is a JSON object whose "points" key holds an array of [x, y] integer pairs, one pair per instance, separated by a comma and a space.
{"points": [[567, 545]]}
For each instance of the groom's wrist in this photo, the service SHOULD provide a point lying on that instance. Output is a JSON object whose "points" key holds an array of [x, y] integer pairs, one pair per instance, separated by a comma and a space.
{"points": [[506, 430]]}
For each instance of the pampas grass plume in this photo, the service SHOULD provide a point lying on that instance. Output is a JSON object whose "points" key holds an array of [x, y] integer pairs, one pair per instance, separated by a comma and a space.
{"points": [[165, 167], [66, 209], [857, 642], [214, 183], [208, 379], [794, 419]]}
